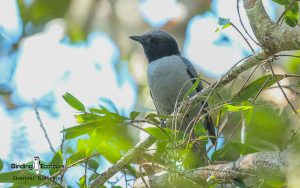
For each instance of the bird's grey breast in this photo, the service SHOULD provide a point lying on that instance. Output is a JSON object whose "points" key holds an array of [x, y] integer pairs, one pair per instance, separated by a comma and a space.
{"points": [[168, 80]]}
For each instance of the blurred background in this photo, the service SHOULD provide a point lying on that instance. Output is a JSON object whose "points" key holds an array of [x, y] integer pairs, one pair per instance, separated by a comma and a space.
{"points": [[51, 47]]}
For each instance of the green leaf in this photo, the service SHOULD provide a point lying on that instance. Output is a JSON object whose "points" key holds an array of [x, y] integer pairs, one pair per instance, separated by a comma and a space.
{"points": [[86, 117], [105, 112], [282, 2], [223, 23], [267, 128], [74, 102], [291, 17], [82, 182], [82, 129], [161, 116], [155, 118], [232, 150], [239, 183], [103, 123], [110, 152], [159, 133], [134, 114], [93, 164], [233, 108], [192, 88], [93, 177], [31, 178], [1, 165], [252, 89], [226, 25], [41, 11], [56, 160], [199, 129], [75, 31]]}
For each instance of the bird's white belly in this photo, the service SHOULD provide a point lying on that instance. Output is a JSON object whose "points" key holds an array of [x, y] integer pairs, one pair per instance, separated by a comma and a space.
{"points": [[168, 81]]}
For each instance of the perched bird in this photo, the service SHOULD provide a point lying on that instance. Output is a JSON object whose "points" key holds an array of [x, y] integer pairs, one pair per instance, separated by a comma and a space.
{"points": [[170, 76]]}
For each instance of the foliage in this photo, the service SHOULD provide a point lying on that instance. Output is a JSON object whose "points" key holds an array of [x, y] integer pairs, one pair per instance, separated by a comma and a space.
{"points": [[291, 16], [107, 135]]}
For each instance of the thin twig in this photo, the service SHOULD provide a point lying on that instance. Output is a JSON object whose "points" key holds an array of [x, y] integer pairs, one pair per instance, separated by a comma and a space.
{"points": [[284, 94], [129, 156], [246, 40], [85, 170], [286, 55], [61, 171], [241, 21], [42, 125]]}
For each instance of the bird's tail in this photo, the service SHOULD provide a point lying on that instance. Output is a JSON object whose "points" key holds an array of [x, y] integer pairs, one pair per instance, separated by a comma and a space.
{"points": [[210, 129]]}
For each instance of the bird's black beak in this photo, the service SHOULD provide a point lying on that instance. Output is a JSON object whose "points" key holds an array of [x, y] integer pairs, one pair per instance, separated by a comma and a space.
{"points": [[136, 38]]}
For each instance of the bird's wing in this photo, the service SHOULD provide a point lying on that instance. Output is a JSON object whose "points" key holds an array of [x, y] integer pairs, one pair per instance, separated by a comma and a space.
{"points": [[207, 123], [192, 73], [154, 103]]}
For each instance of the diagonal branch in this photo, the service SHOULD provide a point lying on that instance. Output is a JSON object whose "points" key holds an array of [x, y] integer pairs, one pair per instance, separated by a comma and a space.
{"points": [[127, 158], [273, 39], [271, 165], [42, 125]]}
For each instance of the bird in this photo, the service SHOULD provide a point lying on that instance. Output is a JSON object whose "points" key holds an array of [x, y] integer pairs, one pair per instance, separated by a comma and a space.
{"points": [[169, 77]]}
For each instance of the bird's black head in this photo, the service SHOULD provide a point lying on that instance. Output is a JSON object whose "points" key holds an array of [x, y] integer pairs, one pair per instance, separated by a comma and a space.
{"points": [[157, 44]]}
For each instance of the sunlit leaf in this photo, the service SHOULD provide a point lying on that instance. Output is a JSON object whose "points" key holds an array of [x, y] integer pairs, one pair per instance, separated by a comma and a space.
{"points": [[83, 129], [76, 157], [56, 160], [74, 102], [162, 134], [102, 122], [82, 182], [105, 112], [110, 152], [291, 17], [233, 108], [86, 117]]}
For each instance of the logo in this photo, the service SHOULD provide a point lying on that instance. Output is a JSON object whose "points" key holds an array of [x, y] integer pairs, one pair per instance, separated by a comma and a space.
{"points": [[36, 164]]}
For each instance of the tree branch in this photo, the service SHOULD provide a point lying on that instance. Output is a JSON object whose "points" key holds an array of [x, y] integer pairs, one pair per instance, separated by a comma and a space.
{"points": [[42, 125], [273, 39], [127, 158], [271, 165]]}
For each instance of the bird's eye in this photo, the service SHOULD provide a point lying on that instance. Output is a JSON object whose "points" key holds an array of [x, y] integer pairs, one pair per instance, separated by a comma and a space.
{"points": [[154, 40]]}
